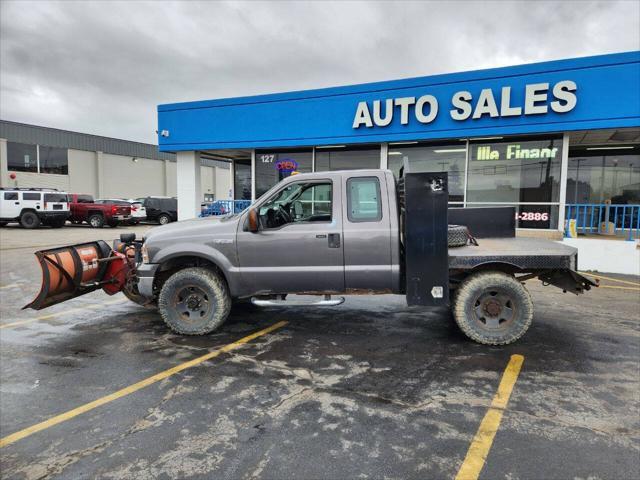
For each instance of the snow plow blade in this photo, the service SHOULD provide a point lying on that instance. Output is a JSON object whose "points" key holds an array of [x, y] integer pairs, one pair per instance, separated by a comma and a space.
{"points": [[75, 270]]}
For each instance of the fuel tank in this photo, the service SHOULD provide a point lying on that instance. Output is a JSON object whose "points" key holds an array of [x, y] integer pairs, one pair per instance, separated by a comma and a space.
{"points": [[75, 270]]}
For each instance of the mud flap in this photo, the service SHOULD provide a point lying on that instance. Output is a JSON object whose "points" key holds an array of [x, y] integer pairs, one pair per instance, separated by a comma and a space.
{"points": [[568, 281], [72, 271]]}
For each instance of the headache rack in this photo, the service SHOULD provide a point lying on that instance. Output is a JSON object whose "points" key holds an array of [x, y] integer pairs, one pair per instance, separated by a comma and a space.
{"points": [[423, 202]]}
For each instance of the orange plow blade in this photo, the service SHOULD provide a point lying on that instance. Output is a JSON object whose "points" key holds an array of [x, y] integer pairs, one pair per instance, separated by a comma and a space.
{"points": [[75, 270]]}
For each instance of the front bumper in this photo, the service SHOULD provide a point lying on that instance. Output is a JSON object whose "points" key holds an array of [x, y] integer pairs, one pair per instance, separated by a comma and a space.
{"points": [[146, 274]]}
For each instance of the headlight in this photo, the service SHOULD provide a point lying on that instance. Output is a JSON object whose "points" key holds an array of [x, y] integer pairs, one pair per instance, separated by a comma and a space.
{"points": [[145, 253]]}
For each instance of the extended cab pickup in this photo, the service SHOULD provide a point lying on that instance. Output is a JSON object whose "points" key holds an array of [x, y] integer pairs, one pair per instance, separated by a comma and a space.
{"points": [[348, 232], [84, 209]]}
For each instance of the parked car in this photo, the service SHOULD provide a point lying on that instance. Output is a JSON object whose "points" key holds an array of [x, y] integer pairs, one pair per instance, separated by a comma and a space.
{"points": [[138, 212], [161, 209], [32, 207], [85, 209]]}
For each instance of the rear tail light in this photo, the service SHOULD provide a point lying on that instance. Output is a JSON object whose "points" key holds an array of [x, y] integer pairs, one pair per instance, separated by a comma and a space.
{"points": [[114, 209], [134, 208]]}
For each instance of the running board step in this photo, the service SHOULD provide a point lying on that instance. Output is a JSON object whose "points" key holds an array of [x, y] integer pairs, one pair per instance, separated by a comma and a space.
{"points": [[272, 302]]}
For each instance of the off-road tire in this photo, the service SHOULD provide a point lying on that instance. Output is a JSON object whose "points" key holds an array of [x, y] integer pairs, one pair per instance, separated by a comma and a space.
{"points": [[29, 220], [164, 219], [469, 299], [457, 235], [96, 220], [3, 224], [195, 281]]}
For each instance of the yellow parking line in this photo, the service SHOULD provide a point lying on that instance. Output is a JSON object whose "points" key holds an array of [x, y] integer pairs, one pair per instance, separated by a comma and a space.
{"points": [[64, 312], [620, 288], [14, 437], [609, 278], [481, 444]]}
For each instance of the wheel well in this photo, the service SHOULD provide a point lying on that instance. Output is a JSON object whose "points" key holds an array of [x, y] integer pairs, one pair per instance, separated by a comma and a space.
{"points": [[456, 277], [25, 210], [504, 267], [172, 265]]}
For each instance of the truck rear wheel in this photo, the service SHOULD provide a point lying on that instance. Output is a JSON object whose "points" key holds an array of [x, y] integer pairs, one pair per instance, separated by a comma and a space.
{"points": [[30, 220], [194, 301], [493, 308], [96, 220]]}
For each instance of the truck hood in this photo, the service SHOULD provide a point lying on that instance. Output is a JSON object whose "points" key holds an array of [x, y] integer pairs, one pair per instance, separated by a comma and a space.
{"points": [[194, 226]]}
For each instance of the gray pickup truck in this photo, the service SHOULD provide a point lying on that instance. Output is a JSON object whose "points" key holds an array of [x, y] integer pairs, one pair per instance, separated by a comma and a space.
{"points": [[347, 232]]}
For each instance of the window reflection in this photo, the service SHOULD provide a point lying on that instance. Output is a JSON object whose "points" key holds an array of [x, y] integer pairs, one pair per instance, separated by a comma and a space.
{"points": [[274, 166], [515, 170], [347, 158], [448, 158], [595, 176]]}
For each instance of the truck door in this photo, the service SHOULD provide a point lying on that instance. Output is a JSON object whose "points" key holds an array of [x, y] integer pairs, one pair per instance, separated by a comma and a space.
{"points": [[367, 234], [299, 246]]}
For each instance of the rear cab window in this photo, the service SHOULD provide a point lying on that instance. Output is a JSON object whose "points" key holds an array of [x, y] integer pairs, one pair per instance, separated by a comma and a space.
{"points": [[85, 199], [363, 199], [11, 195]]}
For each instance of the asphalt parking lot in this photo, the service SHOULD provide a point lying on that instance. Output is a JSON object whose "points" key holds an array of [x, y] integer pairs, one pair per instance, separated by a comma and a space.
{"points": [[369, 389]]}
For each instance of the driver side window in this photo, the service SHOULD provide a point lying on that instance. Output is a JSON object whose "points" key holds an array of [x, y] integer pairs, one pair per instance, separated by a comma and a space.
{"points": [[297, 203]]}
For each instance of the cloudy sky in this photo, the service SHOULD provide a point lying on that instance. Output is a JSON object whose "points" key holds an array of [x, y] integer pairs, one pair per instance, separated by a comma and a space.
{"points": [[102, 67]]}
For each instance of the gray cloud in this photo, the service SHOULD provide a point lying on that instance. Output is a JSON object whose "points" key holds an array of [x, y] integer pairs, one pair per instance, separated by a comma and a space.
{"points": [[102, 67]]}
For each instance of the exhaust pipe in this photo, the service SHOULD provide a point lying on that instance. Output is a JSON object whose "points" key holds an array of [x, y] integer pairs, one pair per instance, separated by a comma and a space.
{"points": [[75, 270]]}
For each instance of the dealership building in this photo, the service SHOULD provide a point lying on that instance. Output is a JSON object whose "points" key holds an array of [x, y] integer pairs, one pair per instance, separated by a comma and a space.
{"points": [[557, 140], [40, 157]]}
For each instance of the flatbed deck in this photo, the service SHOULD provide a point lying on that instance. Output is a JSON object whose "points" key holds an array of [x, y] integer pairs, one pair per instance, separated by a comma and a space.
{"points": [[524, 253]]}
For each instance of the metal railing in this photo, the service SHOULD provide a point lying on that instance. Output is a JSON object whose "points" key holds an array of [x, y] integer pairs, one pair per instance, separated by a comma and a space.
{"points": [[604, 219], [224, 207]]}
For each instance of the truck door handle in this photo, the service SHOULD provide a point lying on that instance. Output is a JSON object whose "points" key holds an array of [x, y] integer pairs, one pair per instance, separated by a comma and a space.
{"points": [[17, 203], [334, 240]]}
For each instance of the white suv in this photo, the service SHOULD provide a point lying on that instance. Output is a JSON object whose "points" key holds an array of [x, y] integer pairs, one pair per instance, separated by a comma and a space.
{"points": [[32, 207]]}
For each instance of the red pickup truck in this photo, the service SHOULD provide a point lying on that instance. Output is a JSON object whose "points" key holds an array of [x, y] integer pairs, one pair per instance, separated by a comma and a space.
{"points": [[84, 209]]}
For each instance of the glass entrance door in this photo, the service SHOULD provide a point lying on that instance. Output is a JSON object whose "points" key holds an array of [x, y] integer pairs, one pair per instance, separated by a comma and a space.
{"points": [[242, 179]]}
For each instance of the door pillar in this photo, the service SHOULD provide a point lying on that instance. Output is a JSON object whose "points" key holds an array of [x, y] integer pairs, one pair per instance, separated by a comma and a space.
{"points": [[189, 188]]}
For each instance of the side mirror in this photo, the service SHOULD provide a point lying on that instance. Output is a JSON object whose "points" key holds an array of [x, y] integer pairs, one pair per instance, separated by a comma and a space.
{"points": [[254, 222]]}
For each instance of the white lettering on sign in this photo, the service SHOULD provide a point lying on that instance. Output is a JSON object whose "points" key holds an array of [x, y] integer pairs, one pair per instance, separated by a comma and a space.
{"points": [[539, 99], [515, 152]]}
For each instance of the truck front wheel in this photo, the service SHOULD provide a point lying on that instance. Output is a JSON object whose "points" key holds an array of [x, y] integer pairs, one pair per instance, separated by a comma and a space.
{"points": [[493, 308], [194, 301]]}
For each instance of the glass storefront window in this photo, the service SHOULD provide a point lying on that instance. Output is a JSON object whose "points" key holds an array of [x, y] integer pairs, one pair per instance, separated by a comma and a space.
{"points": [[274, 166], [515, 170], [54, 160], [348, 158], [598, 174], [448, 157], [22, 157]]}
